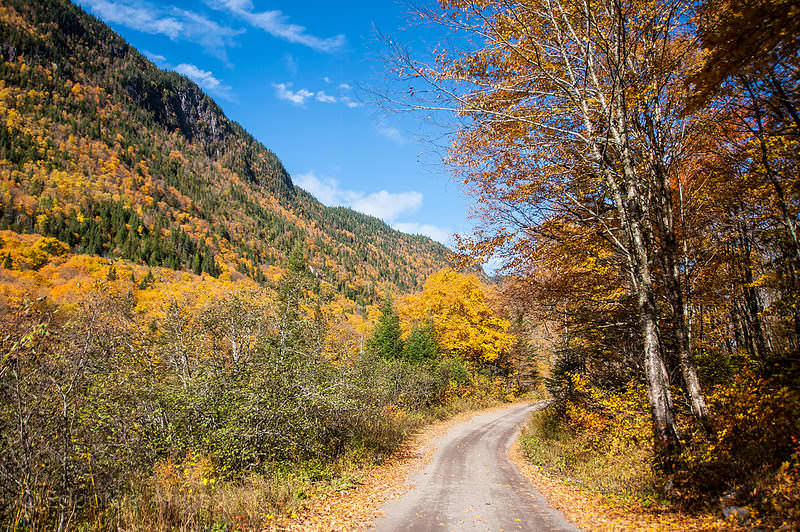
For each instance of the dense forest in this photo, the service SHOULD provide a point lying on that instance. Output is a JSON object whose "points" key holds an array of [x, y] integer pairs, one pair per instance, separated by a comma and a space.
{"points": [[636, 164]]}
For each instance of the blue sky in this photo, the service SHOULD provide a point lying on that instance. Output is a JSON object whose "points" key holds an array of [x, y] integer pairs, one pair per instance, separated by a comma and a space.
{"points": [[298, 77]]}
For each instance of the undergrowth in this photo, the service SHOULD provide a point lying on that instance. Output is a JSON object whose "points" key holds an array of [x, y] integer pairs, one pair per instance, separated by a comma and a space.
{"points": [[601, 442], [225, 417], [191, 495], [603, 449]]}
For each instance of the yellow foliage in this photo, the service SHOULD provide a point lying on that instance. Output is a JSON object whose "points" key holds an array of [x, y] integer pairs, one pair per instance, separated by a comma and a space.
{"points": [[756, 427], [188, 477], [610, 421], [457, 304], [42, 267]]}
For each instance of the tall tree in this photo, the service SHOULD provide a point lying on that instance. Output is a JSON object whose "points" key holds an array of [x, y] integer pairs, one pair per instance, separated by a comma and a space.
{"points": [[458, 306], [421, 344], [751, 75], [572, 120]]}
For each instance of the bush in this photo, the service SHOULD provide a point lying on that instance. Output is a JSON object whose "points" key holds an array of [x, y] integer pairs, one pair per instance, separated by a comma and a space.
{"points": [[753, 450], [155, 421]]}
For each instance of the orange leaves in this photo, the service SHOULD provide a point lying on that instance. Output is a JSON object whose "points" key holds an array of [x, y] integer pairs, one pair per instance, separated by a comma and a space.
{"points": [[43, 266]]}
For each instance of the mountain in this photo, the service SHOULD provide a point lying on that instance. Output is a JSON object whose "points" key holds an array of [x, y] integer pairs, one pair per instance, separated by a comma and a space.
{"points": [[114, 157]]}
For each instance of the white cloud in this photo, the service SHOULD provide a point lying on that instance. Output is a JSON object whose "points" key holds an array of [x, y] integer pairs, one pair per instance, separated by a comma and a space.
{"points": [[390, 132], [383, 204], [349, 102], [155, 58], [326, 79], [136, 15], [283, 91], [206, 31], [277, 24], [344, 86], [387, 206], [204, 79], [169, 21], [327, 191], [325, 98], [238, 5], [440, 234]]}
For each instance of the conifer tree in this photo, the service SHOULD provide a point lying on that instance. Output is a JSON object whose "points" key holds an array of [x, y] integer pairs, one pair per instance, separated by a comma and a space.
{"points": [[197, 264], [421, 344], [386, 340]]}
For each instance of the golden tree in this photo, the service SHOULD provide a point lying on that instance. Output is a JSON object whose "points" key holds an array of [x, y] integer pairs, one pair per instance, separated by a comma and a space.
{"points": [[458, 306]]}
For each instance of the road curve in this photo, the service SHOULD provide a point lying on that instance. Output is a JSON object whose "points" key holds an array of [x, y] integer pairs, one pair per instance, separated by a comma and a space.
{"points": [[470, 483]]}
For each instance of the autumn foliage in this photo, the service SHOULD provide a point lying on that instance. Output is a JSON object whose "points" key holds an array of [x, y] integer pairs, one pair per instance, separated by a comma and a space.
{"points": [[120, 383], [634, 164], [116, 158], [149, 397]]}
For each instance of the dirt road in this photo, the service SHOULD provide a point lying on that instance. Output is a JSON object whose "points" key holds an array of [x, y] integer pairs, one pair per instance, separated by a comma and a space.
{"points": [[470, 483]]}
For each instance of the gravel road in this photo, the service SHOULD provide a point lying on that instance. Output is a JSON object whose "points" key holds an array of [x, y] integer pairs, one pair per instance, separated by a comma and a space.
{"points": [[470, 483]]}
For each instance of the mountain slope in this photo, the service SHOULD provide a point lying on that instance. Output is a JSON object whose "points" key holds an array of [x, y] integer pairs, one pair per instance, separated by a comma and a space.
{"points": [[104, 151]]}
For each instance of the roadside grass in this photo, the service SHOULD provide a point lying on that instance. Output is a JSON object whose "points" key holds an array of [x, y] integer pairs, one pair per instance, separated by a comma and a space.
{"points": [[592, 450], [254, 502], [623, 474], [593, 458]]}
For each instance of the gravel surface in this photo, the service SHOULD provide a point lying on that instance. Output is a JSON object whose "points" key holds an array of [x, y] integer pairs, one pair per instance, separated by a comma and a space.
{"points": [[470, 483]]}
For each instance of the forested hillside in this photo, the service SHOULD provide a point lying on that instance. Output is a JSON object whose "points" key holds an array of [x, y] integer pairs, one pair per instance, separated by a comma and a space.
{"points": [[114, 157]]}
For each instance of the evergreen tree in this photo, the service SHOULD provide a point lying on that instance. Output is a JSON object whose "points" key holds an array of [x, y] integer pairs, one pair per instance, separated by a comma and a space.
{"points": [[297, 260], [385, 340], [208, 265], [197, 263], [421, 344]]}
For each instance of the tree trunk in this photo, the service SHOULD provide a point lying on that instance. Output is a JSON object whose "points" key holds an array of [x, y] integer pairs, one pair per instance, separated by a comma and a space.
{"points": [[688, 368], [675, 288], [751, 306], [665, 429]]}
